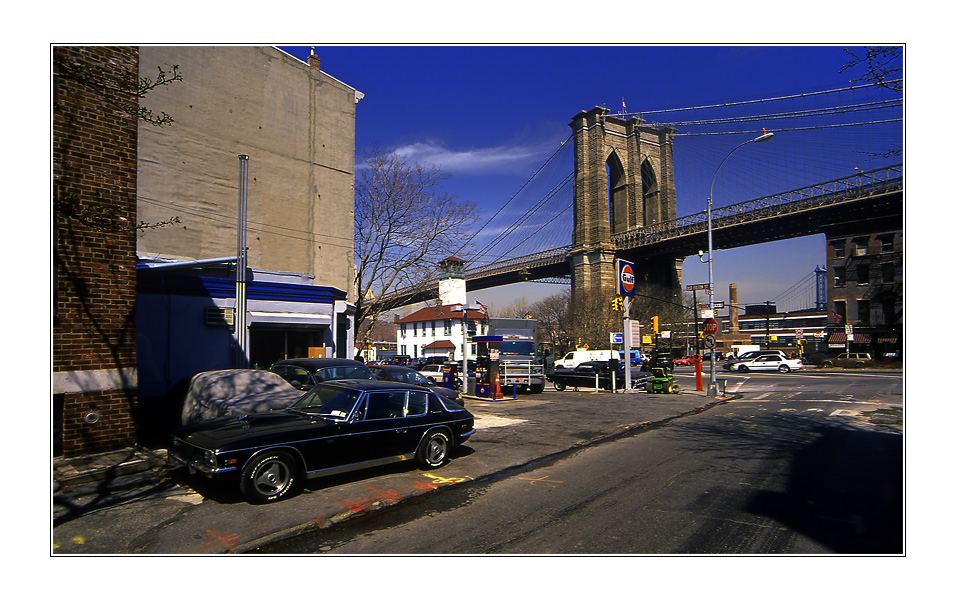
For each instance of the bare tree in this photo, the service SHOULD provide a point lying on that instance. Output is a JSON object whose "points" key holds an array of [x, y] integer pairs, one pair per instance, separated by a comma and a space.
{"points": [[518, 309], [552, 316], [404, 225], [882, 65]]}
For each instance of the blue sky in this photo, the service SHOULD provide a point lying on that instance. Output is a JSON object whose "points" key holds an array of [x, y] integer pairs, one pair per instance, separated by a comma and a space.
{"points": [[489, 116]]}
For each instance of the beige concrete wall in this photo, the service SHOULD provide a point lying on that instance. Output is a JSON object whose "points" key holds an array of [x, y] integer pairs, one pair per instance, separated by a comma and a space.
{"points": [[297, 125]]}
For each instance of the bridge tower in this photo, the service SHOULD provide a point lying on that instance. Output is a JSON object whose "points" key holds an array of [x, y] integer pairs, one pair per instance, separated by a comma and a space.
{"points": [[623, 180]]}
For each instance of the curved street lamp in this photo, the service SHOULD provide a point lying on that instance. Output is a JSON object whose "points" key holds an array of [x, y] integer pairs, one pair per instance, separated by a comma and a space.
{"points": [[766, 137]]}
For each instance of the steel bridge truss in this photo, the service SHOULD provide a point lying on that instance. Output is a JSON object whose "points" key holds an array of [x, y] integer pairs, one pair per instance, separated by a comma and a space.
{"points": [[798, 212]]}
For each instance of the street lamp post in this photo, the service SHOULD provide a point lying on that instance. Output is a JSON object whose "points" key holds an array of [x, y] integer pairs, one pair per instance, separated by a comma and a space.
{"points": [[766, 137]]}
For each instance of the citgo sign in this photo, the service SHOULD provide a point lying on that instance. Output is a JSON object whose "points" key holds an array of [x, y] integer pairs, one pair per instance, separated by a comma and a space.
{"points": [[625, 278]]}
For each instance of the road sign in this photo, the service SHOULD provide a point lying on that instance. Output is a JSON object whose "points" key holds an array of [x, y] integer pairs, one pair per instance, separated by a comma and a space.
{"points": [[617, 338], [698, 286], [710, 342], [799, 334], [711, 326], [625, 278]]}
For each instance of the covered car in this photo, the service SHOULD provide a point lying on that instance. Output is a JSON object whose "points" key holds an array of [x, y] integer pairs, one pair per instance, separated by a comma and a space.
{"points": [[235, 392]]}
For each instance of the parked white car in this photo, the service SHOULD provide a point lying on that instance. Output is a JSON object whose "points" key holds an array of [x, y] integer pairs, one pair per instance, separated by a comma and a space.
{"points": [[767, 362]]}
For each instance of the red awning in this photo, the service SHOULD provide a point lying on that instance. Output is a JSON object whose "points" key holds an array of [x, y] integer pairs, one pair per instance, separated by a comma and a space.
{"points": [[440, 344], [837, 338], [887, 339]]}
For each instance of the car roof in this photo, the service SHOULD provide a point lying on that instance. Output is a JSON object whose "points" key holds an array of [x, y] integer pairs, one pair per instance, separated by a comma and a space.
{"points": [[397, 368], [371, 385], [318, 363]]}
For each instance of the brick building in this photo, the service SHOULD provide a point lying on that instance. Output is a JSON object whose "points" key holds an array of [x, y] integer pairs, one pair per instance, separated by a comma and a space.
{"points": [[94, 248], [865, 292]]}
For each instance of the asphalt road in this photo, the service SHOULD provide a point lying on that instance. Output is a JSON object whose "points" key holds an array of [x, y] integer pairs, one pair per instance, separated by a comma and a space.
{"points": [[803, 463]]}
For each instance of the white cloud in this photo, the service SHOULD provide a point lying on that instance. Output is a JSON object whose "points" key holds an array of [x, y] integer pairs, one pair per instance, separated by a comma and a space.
{"points": [[496, 159]]}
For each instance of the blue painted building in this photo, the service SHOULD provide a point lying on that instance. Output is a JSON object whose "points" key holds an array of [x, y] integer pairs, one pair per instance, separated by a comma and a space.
{"points": [[186, 320]]}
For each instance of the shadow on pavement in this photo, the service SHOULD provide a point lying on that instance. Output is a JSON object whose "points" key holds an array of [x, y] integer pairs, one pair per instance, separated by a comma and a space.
{"points": [[845, 491]]}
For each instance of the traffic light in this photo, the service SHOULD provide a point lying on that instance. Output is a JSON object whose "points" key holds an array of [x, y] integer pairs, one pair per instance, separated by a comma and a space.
{"points": [[654, 324], [617, 304]]}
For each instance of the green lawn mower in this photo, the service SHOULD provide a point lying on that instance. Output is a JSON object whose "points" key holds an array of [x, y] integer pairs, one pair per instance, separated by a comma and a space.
{"points": [[661, 382]]}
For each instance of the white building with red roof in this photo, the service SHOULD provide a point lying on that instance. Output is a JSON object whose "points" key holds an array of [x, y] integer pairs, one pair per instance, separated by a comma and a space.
{"points": [[439, 331]]}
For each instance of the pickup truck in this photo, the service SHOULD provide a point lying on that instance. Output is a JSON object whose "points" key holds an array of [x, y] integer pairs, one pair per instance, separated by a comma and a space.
{"points": [[583, 376]]}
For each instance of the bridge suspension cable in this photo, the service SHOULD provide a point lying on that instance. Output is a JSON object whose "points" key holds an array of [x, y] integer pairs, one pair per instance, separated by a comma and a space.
{"points": [[826, 139]]}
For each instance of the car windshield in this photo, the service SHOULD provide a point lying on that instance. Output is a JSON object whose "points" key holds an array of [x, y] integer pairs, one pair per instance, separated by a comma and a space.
{"points": [[413, 377], [328, 401], [344, 372]]}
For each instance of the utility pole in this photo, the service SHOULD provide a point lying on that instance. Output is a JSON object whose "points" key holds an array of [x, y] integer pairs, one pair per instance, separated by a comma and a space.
{"points": [[242, 328]]}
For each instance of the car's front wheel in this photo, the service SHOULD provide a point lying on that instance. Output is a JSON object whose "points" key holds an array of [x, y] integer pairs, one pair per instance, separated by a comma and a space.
{"points": [[434, 450], [270, 477], [559, 386], [742, 369]]}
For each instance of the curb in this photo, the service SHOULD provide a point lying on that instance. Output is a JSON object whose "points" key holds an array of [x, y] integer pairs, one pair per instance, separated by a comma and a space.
{"points": [[377, 506]]}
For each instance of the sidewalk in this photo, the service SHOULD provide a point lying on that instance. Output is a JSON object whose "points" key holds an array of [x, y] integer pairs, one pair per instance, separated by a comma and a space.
{"points": [[130, 502]]}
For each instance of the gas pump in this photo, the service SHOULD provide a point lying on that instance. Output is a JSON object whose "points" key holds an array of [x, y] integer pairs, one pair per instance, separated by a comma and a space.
{"points": [[450, 375], [487, 366]]}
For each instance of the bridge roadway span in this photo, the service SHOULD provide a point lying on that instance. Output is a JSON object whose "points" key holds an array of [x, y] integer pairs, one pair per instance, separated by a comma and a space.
{"points": [[873, 198]]}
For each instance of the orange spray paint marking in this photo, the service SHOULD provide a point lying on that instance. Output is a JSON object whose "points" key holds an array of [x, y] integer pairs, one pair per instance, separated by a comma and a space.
{"points": [[228, 542], [368, 502]]}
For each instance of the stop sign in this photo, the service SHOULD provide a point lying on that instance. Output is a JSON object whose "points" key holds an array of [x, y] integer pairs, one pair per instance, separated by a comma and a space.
{"points": [[710, 326]]}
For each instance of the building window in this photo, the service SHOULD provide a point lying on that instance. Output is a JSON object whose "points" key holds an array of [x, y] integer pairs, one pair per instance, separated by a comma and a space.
{"points": [[839, 311], [863, 274], [839, 248], [404, 332], [863, 310], [433, 329], [447, 326], [861, 246], [889, 273], [886, 243], [839, 276]]}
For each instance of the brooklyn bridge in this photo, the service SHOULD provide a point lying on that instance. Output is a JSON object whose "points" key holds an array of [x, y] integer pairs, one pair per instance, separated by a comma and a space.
{"points": [[636, 186]]}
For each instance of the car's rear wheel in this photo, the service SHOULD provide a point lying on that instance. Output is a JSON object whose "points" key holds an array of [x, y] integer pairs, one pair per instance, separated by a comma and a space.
{"points": [[270, 477], [784, 369], [434, 450]]}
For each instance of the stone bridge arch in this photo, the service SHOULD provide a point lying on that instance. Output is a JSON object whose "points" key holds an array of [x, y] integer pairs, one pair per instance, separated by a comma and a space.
{"points": [[623, 180]]}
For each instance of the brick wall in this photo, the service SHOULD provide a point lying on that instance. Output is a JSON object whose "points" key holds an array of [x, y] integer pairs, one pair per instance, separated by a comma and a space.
{"points": [[94, 198]]}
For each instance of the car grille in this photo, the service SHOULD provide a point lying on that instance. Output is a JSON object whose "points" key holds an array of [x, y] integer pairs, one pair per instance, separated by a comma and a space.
{"points": [[187, 452]]}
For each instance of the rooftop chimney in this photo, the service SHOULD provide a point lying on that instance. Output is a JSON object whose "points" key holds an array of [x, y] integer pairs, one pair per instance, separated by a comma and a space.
{"points": [[734, 311], [314, 61]]}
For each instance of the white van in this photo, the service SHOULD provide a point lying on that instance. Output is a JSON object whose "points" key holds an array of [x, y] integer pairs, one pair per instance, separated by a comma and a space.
{"points": [[573, 359]]}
